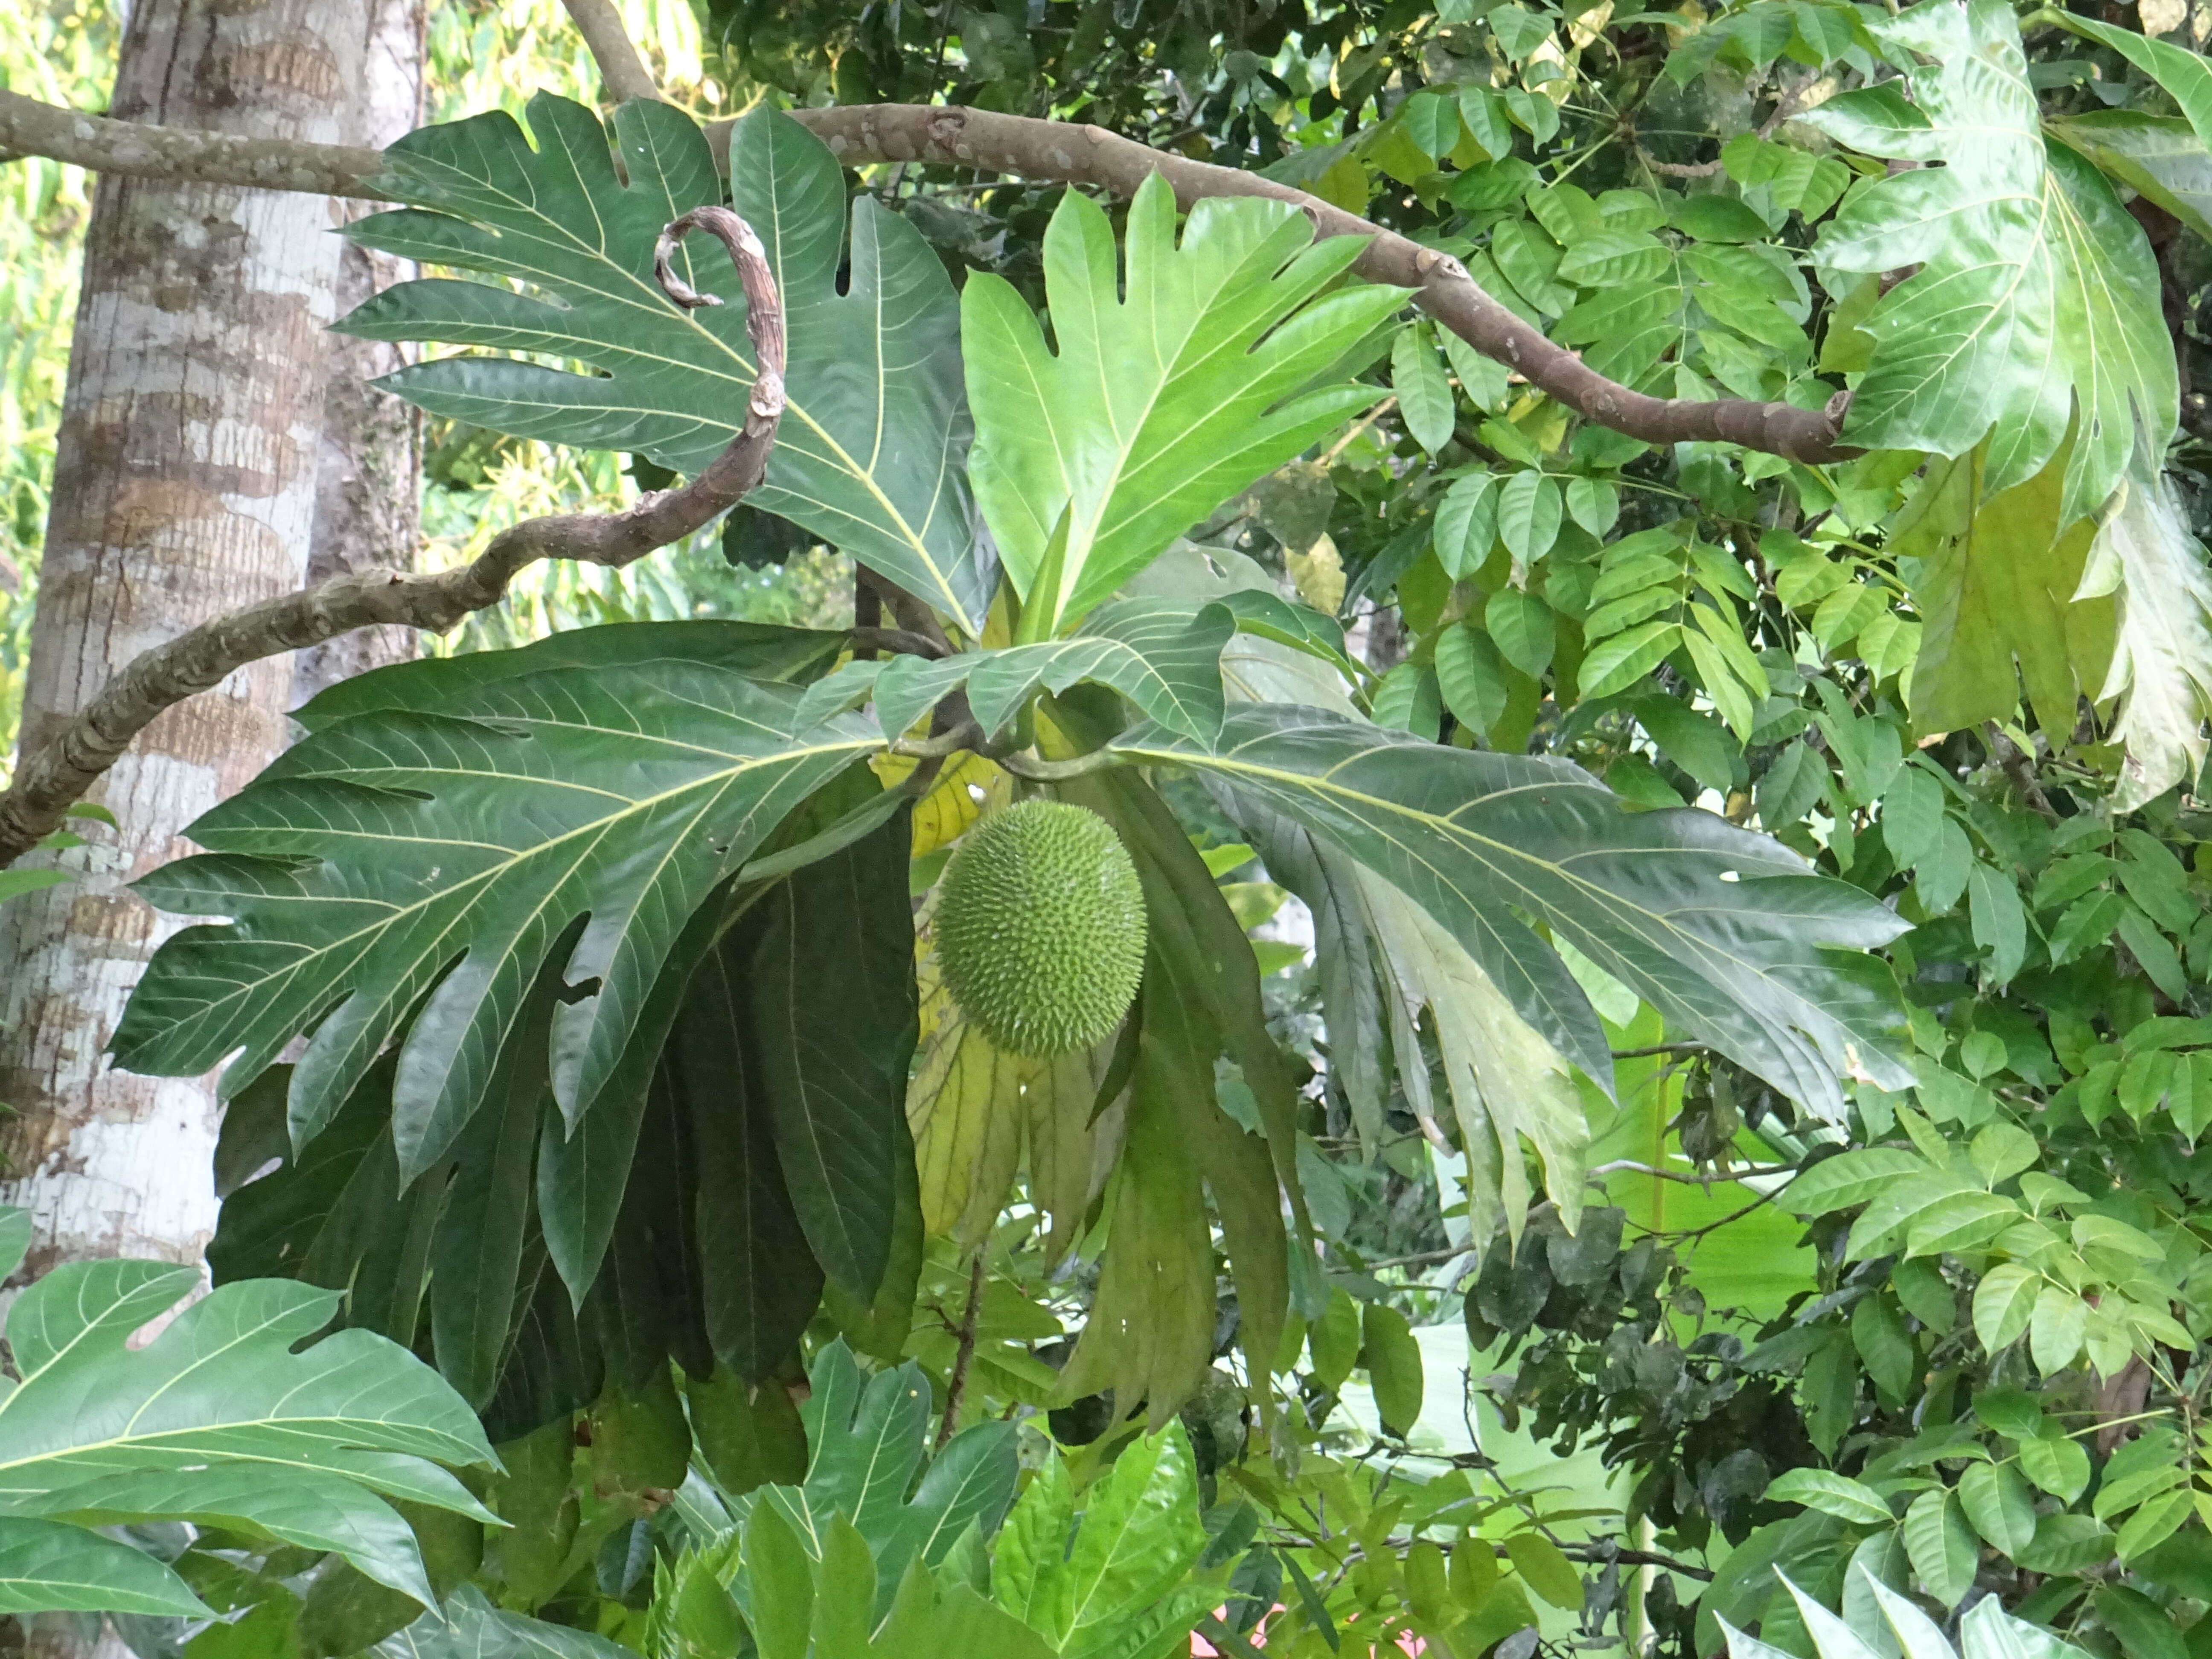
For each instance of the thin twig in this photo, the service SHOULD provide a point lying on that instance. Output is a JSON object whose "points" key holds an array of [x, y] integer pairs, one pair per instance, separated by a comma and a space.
{"points": [[957, 1385], [1650, 1049], [1352, 434], [1629, 1166], [1763, 1200], [55, 776], [867, 616], [1053, 771], [871, 640], [2021, 771], [1590, 1553]]}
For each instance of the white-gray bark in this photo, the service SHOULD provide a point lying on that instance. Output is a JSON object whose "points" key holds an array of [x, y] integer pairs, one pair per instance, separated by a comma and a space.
{"points": [[184, 486], [368, 478]]}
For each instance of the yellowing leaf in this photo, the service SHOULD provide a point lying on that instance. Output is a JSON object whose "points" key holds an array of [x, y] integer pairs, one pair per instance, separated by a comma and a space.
{"points": [[2162, 662], [1997, 588]]}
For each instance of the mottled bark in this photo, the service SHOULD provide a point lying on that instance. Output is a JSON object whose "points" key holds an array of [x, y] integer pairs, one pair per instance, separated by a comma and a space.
{"points": [[184, 488], [368, 476]]}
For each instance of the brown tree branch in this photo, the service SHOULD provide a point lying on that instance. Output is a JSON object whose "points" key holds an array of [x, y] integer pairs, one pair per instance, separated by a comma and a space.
{"points": [[956, 1387], [621, 68], [56, 775], [863, 133], [867, 133], [185, 154]]}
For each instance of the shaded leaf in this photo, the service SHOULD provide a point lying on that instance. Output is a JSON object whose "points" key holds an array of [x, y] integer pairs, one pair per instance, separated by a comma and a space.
{"points": [[630, 794]]}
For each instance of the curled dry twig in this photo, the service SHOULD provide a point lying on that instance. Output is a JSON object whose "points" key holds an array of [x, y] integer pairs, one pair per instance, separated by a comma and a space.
{"points": [[54, 776]]}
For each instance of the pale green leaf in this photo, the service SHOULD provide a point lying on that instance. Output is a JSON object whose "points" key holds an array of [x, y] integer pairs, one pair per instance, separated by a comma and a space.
{"points": [[2156, 155], [2035, 289], [2056, 1464], [1999, 1503], [217, 1421], [2056, 1330], [1528, 515], [1832, 1494], [1466, 524], [1160, 404], [1163, 655], [1523, 628], [1940, 1545], [1424, 396]]}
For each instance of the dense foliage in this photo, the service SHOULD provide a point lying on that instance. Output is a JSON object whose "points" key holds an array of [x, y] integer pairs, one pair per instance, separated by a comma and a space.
{"points": [[1727, 1146]]}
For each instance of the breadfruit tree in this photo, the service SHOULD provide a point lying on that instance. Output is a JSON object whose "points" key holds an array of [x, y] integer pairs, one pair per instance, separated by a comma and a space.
{"points": [[1467, 515]]}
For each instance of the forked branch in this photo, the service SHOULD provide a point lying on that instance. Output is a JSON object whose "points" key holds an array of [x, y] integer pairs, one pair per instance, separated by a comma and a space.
{"points": [[54, 776]]}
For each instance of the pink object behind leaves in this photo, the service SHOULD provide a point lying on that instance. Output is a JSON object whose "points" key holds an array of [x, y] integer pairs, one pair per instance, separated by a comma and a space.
{"points": [[1202, 1649]]}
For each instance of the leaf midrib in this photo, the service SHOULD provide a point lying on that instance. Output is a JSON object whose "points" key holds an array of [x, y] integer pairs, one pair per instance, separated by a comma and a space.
{"points": [[394, 918], [1470, 840]]}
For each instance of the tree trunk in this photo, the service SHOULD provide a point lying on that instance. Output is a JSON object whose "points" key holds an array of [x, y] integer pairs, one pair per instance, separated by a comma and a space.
{"points": [[368, 478], [185, 485]]}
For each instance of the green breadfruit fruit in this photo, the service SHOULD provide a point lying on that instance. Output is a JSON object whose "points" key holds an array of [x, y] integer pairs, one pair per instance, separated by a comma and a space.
{"points": [[1041, 928]]}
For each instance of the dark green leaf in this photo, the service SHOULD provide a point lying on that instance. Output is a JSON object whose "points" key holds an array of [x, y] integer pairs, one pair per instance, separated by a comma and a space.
{"points": [[628, 794]]}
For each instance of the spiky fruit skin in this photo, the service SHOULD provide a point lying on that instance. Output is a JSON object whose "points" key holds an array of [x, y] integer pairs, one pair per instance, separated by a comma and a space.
{"points": [[1041, 928]]}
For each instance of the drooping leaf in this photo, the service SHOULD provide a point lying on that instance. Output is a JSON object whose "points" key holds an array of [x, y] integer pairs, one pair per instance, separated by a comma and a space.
{"points": [[2036, 293], [49, 1566], [759, 1281], [830, 970], [1157, 406], [629, 794], [1998, 586], [2161, 664], [215, 1420], [2155, 155], [336, 1215], [1149, 1336], [1163, 656], [1201, 1004], [1424, 396], [868, 453], [1507, 1081], [1717, 928]]}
